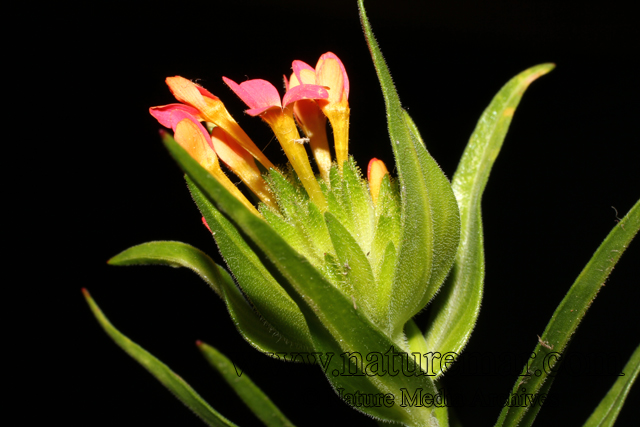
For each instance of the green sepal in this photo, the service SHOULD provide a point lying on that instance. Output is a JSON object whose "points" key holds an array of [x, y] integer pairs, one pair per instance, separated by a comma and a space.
{"points": [[258, 402], [335, 272], [607, 411], [567, 316], [430, 221], [455, 309], [389, 199], [166, 376], [335, 177], [176, 254], [387, 229], [389, 207], [346, 204], [263, 291], [319, 234], [335, 324]]}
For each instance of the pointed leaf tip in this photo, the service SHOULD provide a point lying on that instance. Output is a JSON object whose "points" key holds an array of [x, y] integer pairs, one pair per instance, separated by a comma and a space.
{"points": [[455, 310], [160, 371]]}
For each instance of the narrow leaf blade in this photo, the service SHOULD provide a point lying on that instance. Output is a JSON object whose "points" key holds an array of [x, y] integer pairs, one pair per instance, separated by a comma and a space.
{"points": [[166, 376], [251, 395], [262, 289], [178, 254], [172, 254], [570, 312], [456, 308], [606, 413], [430, 222]]}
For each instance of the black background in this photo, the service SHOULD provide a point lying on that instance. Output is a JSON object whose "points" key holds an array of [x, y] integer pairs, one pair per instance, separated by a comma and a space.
{"points": [[571, 154]]}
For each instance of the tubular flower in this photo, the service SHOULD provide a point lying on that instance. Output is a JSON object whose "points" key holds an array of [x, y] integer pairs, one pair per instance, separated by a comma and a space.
{"points": [[194, 138], [310, 118], [242, 164], [263, 100], [211, 109], [331, 74]]}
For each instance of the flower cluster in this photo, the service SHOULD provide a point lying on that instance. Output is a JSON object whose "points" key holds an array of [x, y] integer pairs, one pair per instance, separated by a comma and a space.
{"points": [[312, 96], [328, 261]]}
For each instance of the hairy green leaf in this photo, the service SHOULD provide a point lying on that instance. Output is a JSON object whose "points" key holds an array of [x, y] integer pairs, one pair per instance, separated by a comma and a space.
{"points": [[262, 289], [177, 254], [173, 254], [430, 222], [567, 317], [455, 310]]}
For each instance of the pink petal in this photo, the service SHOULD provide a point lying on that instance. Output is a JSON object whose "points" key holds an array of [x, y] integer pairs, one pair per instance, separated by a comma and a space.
{"points": [[305, 92], [298, 66], [163, 113], [258, 94], [172, 114], [331, 55], [206, 93]]}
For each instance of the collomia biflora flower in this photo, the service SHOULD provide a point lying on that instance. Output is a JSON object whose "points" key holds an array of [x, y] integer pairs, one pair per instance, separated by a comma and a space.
{"points": [[347, 262]]}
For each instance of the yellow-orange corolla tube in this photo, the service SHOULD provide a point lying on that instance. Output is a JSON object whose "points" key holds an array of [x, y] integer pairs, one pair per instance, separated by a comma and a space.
{"points": [[263, 100], [192, 136], [330, 73], [212, 110], [310, 118], [242, 164], [284, 127]]}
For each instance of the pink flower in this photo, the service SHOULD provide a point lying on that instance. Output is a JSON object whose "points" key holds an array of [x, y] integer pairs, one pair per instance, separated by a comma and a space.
{"points": [[312, 94], [310, 118], [263, 100], [194, 138], [209, 108], [260, 95], [330, 74]]}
